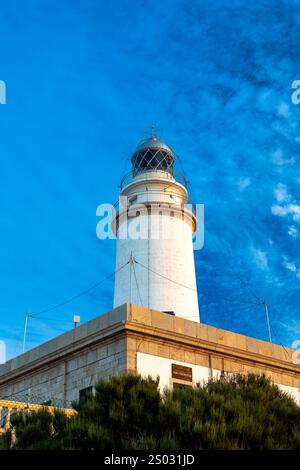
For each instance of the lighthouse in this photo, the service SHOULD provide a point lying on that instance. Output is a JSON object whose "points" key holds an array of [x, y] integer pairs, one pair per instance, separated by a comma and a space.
{"points": [[154, 229]]}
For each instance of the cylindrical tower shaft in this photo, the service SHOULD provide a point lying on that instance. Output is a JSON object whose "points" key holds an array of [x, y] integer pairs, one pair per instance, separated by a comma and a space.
{"points": [[154, 235]]}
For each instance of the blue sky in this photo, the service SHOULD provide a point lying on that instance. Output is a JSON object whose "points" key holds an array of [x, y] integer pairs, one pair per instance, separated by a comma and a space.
{"points": [[85, 80]]}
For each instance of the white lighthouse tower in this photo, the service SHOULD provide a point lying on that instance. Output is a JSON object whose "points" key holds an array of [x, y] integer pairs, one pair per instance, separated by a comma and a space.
{"points": [[155, 261]]}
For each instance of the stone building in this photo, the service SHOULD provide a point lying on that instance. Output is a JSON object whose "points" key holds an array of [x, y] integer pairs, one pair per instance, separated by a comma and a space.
{"points": [[138, 339]]}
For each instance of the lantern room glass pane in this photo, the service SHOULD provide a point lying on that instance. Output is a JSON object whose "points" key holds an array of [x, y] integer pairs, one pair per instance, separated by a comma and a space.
{"points": [[152, 159]]}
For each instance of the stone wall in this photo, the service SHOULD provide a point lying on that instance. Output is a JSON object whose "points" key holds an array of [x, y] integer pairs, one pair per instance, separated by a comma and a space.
{"points": [[59, 369], [185, 342], [137, 339]]}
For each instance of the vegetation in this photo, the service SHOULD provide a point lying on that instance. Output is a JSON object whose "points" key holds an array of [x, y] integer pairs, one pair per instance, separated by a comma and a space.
{"points": [[128, 412]]}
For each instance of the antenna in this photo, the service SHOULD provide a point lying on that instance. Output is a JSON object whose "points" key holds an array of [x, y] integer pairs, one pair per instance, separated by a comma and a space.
{"points": [[265, 303], [131, 261], [27, 315], [153, 131]]}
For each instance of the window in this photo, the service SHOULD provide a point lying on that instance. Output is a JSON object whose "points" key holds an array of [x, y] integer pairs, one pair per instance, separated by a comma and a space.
{"points": [[84, 393], [152, 159]]}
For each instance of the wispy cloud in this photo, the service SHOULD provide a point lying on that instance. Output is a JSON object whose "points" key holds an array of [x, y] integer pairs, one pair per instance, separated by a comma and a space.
{"points": [[215, 78], [291, 266], [278, 158], [290, 209], [292, 231], [260, 258], [243, 183], [281, 193]]}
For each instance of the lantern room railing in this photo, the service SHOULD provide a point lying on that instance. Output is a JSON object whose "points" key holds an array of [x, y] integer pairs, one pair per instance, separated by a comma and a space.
{"points": [[130, 176]]}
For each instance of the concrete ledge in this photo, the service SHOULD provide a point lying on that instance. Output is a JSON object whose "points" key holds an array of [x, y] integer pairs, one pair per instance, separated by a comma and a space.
{"points": [[90, 332], [155, 333]]}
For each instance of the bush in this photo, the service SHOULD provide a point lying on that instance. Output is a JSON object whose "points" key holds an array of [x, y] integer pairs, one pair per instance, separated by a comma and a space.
{"points": [[128, 412]]}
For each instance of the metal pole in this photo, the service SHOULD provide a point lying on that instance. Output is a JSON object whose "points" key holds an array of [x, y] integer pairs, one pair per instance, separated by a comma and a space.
{"points": [[265, 303], [25, 332], [130, 278]]}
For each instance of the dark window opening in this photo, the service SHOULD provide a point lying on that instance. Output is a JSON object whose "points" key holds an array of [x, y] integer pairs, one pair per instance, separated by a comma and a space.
{"points": [[85, 393], [47, 403]]}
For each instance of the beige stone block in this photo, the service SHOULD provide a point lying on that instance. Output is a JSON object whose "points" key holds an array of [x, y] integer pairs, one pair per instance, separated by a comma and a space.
{"points": [[143, 346], [153, 348], [265, 349], [231, 339], [274, 376], [289, 357], [212, 334], [201, 359], [228, 366], [252, 345], [177, 354], [216, 362], [131, 362], [278, 352], [287, 379], [201, 332], [249, 369], [141, 315], [189, 356], [296, 382], [131, 342], [240, 367], [221, 337], [178, 324], [162, 320], [163, 350], [190, 328], [260, 370], [241, 342]]}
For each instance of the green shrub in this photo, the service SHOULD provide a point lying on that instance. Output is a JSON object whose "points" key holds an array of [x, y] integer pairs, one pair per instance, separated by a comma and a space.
{"points": [[128, 412]]}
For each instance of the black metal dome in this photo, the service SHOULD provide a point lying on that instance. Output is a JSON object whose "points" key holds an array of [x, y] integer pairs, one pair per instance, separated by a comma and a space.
{"points": [[152, 155]]}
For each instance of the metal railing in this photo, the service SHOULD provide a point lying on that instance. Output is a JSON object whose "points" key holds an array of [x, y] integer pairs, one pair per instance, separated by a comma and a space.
{"points": [[179, 177], [8, 408]]}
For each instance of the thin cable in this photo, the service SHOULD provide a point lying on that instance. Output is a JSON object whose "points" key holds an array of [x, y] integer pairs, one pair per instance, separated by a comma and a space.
{"points": [[52, 319], [80, 294], [165, 277], [234, 309], [226, 299]]}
